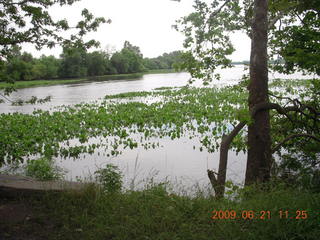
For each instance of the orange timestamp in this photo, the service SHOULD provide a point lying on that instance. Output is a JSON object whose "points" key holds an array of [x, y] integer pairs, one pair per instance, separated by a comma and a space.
{"points": [[262, 215]]}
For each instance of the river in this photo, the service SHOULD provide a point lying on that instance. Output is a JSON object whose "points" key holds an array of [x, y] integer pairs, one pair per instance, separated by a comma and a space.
{"points": [[176, 161]]}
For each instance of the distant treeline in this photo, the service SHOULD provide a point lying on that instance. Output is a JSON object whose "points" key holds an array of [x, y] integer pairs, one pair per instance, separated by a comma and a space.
{"points": [[77, 62]]}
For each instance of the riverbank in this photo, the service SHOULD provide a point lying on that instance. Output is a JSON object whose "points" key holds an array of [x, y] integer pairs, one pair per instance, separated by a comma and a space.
{"points": [[277, 213], [37, 83]]}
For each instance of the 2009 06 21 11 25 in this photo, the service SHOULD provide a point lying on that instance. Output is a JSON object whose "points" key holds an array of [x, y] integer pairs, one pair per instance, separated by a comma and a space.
{"points": [[262, 215]]}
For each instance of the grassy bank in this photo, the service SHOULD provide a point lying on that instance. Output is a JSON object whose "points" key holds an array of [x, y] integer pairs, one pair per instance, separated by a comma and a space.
{"points": [[36, 83], [161, 71], [155, 214]]}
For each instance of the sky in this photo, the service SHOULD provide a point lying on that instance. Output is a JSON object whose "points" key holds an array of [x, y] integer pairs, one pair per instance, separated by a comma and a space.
{"points": [[144, 23]]}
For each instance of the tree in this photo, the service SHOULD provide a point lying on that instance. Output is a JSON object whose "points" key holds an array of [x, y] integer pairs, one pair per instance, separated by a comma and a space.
{"points": [[119, 62], [19, 66], [128, 60], [97, 63], [73, 62], [207, 38], [165, 61], [259, 141], [134, 56], [46, 67], [29, 22]]}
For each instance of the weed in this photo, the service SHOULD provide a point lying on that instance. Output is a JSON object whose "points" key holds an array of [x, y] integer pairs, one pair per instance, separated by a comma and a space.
{"points": [[110, 178], [43, 169]]}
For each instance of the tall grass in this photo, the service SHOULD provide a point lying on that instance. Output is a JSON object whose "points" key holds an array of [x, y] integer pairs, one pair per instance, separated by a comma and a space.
{"points": [[153, 213]]}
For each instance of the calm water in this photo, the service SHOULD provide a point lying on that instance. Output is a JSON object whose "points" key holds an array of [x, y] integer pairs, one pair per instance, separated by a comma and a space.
{"points": [[175, 160]]}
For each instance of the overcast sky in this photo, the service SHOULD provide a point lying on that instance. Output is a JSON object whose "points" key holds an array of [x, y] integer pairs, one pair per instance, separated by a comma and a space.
{"points": [[145, 23]]}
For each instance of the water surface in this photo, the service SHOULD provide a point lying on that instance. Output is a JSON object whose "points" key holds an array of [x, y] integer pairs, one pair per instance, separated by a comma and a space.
{"points": [[175, 161]]}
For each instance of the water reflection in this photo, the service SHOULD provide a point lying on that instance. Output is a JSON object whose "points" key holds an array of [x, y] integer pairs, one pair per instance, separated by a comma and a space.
{"points": [[176, 159], [75, 93]]}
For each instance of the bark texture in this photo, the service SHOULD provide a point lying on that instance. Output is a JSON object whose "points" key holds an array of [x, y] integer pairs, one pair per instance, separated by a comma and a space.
{"points": [[259, 141], [218, 183]]}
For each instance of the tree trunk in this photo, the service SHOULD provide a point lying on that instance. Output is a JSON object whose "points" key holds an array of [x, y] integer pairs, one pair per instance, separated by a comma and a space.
{"points": [[259, 141], [218, 183]]}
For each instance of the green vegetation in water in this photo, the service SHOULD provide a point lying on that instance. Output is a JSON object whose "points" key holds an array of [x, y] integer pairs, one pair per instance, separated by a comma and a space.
{"points": [[129, 95], [44, 132], [205, 113], [277, 210], [165, 88]]}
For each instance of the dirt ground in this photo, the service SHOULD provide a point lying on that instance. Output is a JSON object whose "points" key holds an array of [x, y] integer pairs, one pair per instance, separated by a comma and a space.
{"points": [[20, 220]]}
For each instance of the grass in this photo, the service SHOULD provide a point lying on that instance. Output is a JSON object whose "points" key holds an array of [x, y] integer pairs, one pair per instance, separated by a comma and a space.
{"points": [[161, 71], [155, 214], [116, 76], [36, 83]]}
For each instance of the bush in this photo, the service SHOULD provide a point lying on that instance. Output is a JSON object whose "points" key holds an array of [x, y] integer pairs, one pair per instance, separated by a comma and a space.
{"points": [[43, 169], [110, 178]]}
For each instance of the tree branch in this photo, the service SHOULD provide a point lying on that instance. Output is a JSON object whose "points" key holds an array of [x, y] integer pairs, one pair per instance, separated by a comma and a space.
{"points": [[212, 15], [278, 146], [5, 97], [274, 20], [218, 183]]}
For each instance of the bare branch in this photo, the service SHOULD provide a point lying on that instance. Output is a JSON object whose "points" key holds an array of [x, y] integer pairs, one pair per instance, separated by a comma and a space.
{"points": [[6, 98]]}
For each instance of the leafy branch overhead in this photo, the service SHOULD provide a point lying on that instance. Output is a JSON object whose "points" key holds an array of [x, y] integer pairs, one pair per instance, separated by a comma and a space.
{"points": [[30, 22], [293, 33], [284, 33]]}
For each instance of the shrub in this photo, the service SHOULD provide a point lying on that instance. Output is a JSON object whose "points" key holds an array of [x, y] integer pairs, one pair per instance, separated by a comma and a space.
{"points": [[110, 178], [43, 169]]}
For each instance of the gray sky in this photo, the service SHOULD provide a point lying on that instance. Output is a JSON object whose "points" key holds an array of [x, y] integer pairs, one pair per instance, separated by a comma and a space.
{"points": [[145, 23]]}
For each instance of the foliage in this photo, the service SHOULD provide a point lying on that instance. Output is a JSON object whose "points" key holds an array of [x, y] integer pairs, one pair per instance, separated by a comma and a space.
{"points": [[295, 39], [153, 213], [293, 34], [76, 62], [46, 67], [299, 163], [18, 66], [73, 63], [43, 169], [207, 33], [110, 178], [128, 60], [98, 63], [30, 22], [165, 61], [205, 113]]}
